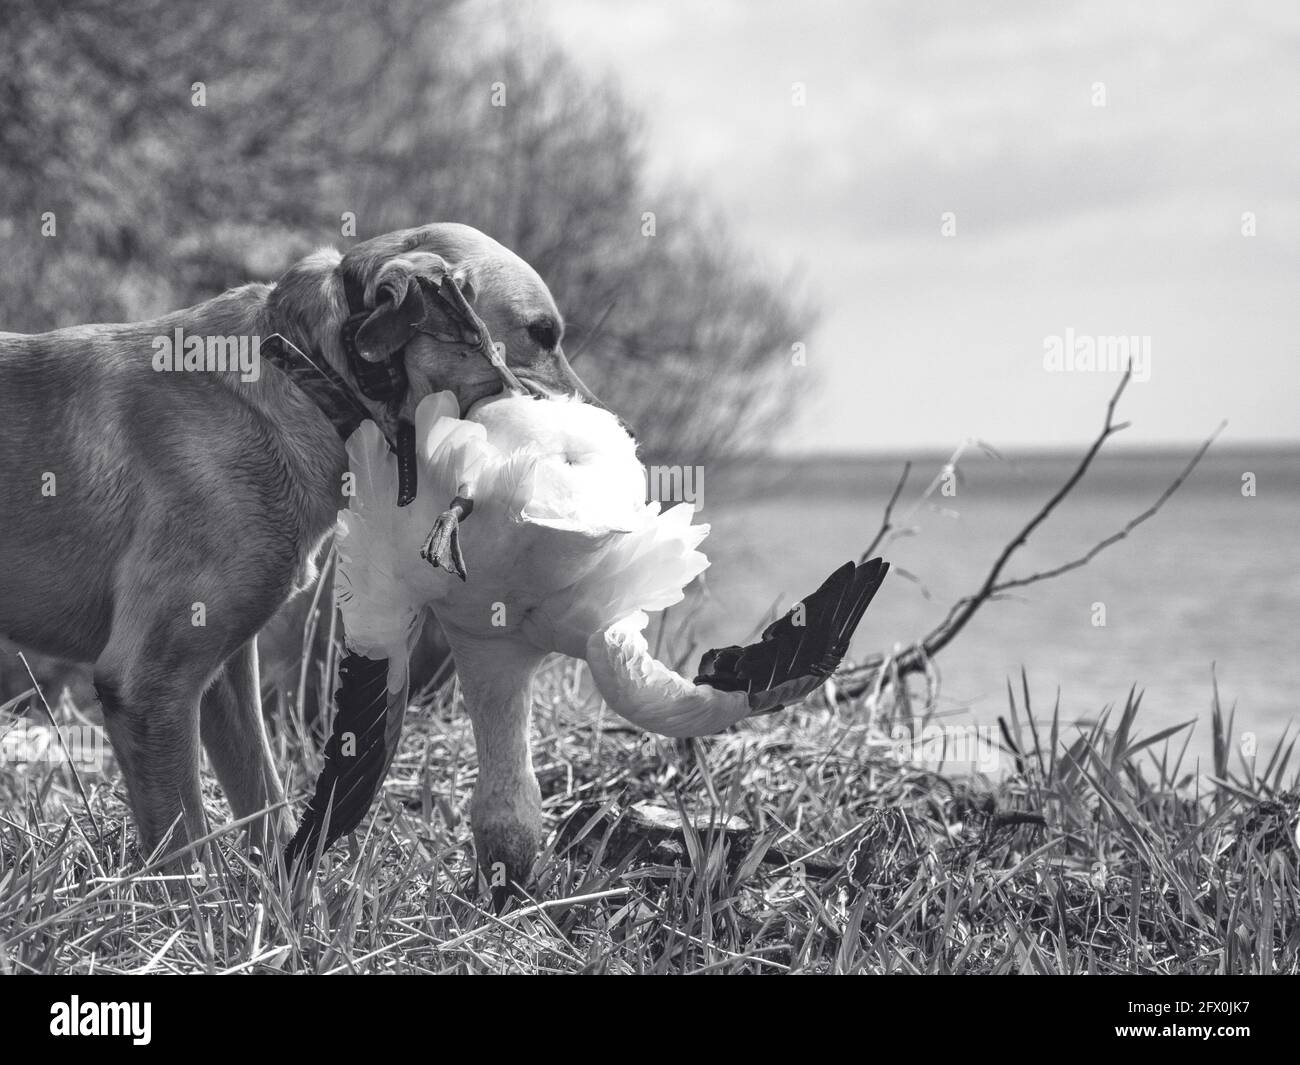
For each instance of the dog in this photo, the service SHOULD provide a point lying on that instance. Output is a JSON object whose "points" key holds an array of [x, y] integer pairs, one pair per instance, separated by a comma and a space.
{"points": [[159, 509]]}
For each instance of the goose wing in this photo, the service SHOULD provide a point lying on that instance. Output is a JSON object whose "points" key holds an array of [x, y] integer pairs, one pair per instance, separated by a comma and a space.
{"points": [[367, 726], [798, 652]]}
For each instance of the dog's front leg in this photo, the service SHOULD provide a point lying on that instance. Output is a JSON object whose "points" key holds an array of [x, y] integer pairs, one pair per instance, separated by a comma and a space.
{"points": [[173, 629], [152, 717]]}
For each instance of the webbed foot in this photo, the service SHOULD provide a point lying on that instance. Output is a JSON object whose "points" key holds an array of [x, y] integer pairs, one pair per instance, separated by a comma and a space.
{"points": [[442, 548]]}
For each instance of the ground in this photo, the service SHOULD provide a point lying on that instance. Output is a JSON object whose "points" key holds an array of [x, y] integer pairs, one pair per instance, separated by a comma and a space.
{"points": [[798, 842]]}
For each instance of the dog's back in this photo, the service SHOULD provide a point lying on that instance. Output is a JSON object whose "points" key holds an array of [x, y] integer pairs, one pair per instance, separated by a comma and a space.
{"points": [[67, 479], [98, 447]]}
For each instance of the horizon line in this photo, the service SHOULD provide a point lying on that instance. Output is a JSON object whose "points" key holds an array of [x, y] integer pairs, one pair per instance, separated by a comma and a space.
{"points": [[1278, 448]]}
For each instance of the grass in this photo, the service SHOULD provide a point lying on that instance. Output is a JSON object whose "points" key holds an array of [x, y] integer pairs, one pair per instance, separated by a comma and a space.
{"points": [[1095, 851]]}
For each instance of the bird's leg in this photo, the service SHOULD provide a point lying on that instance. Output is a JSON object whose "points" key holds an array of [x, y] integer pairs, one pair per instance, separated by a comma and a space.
{"points": [[442, 548]]}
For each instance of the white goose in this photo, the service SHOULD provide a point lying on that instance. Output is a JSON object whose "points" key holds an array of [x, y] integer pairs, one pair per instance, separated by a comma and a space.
{"points": [[561, 554]]}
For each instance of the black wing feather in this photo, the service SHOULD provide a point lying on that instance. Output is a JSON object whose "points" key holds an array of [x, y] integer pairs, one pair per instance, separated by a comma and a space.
{"points": [[790, 660], [348, 783]]}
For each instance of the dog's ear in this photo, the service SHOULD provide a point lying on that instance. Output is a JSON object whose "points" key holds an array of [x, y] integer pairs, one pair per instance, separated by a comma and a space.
{"points": [[398, 310], [404, 293]]}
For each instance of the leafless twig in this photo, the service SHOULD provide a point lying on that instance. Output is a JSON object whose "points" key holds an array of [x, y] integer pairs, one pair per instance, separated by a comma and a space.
{"points": [[886, 523], [594, 330], [1115, 537], [859, 679]]}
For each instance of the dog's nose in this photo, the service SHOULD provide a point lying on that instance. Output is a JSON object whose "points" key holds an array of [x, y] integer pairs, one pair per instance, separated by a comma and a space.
{"points": [[575, 382]]}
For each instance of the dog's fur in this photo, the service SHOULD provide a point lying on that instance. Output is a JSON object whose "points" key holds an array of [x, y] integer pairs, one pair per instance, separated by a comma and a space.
{"points": [[171, 490]]}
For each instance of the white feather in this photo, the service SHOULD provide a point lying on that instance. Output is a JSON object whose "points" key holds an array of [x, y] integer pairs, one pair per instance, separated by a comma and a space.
{"points": [[561, 549]]}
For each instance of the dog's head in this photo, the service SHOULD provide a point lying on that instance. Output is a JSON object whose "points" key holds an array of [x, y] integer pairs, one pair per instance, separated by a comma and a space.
{"points": [[400, 281]]}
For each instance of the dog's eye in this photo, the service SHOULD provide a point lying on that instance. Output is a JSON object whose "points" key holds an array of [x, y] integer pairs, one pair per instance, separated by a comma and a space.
{"points": [[544, 333]]}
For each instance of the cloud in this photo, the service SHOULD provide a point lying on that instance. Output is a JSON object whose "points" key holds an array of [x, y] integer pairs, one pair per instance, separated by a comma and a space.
{"points": [[987, 110]]}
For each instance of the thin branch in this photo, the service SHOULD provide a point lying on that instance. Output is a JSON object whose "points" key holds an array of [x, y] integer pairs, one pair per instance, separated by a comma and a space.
{"points": [[595, 329], [1116, 537], [964, 609], [886, 523], [855, 681]]}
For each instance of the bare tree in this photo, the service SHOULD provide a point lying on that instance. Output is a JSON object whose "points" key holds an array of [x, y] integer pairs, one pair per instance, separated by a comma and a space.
{"points": [[882, 668]]}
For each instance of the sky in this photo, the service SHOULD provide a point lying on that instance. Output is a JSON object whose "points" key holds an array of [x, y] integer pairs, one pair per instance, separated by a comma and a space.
{"points": [[1096, 162]]}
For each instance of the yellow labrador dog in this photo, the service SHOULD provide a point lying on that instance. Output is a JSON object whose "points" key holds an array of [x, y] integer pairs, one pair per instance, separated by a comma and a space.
{"points": [[167, 483]]}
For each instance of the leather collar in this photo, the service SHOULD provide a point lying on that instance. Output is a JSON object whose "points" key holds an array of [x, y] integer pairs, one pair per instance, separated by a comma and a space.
{"points": [[334, 397]]}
